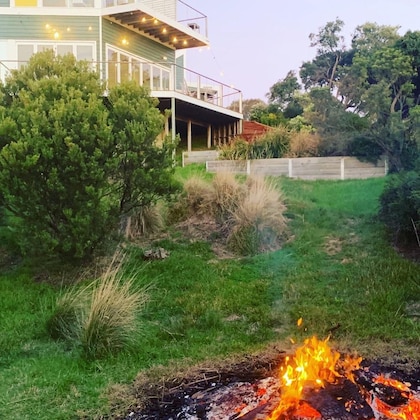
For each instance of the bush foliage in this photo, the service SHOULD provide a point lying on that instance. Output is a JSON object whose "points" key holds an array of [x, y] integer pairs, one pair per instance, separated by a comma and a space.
{"points": [[400, 205], [73, 165], [274, 143]]}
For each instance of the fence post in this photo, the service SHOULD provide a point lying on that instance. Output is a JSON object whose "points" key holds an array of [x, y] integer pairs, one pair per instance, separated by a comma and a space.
{"points": [[248, 167], [342, 167], [290, 168]]}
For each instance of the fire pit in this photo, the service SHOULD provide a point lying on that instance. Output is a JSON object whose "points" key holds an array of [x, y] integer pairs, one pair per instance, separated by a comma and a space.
{"points": [[316, 383]]}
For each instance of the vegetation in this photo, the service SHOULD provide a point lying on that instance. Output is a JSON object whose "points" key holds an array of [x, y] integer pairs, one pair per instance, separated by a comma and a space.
{"points": [[274, 143], [362, 100], [73, 165], [337, 272], [247, 216], [400, 207], [100, 318]]}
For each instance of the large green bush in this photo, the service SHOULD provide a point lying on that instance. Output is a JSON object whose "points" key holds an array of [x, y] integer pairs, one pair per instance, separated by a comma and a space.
{"points": [[400, 205], [74, 165]]}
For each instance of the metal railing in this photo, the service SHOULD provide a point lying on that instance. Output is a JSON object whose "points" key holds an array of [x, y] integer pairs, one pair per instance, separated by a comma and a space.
{"points": [[181, 80]]}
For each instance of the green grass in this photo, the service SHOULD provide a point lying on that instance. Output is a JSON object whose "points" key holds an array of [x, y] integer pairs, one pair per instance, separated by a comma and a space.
{"points": [[337, 272]]}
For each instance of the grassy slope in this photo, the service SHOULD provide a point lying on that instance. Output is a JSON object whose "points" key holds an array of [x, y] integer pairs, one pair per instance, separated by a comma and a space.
{"points": [[337, 273]]}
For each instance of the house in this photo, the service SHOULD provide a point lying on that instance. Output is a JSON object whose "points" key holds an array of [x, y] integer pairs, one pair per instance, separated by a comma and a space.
{"points": [[143, 40]]}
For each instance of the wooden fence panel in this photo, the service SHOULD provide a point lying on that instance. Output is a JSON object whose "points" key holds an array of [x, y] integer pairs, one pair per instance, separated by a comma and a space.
{"points": [[316, 168], [333, 167], [200, 156], [355, 169], [273, 167], [234, 166]]}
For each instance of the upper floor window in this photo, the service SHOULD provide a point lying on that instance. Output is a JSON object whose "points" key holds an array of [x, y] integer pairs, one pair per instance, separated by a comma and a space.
{"points": [[82, 51]]}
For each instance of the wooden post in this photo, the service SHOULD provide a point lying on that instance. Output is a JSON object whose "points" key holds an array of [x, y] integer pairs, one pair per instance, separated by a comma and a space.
{"points": [[209, 136], [189, 135]]}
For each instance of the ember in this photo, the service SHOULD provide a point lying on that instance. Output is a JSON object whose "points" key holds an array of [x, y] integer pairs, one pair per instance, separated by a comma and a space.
{"points": [[316, 383]]}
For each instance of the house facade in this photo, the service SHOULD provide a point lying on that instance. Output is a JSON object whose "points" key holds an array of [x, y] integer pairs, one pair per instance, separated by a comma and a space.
{"points": [[141, 40]]}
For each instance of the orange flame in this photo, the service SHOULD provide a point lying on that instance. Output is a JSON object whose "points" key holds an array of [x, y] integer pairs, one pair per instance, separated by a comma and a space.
{"points": [[313, 364]]}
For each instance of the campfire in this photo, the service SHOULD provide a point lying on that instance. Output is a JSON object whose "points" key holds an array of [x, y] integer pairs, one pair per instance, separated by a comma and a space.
{"points": [[315, 383]]}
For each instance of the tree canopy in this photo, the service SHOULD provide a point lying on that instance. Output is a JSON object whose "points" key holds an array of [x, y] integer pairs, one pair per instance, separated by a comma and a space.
{"points": [[362, 99]]}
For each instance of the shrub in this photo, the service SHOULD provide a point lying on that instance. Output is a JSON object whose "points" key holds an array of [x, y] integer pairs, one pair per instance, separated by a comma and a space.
{"points": [[102, 317], [304, 144], [73, 163], [238, 149], [400, 205], [274, 143]]}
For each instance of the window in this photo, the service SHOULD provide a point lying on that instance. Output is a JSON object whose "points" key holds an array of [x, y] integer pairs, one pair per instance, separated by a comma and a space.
{"points": [[122, 67], [80, 51], [64, 49], [84, 52], [146, 75], [54, 3], [24, 53]]}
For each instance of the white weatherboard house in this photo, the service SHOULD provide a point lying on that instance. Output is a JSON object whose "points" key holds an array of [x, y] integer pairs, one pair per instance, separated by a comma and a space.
{"points": [[142, 40]]}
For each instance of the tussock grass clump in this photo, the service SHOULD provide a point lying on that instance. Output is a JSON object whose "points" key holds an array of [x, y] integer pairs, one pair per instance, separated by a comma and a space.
{"points": [[248, 215], [195, 200], [199, 195], [102, 317], [147, 220], [70, 311], [258, 220], [227, 194], [110, 324]]}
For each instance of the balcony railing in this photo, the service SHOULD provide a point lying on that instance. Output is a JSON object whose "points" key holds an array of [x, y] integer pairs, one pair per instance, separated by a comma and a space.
{"points": [[159, 78]]}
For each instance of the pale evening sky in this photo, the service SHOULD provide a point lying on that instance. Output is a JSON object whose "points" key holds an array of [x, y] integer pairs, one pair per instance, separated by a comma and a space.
{"points": [[253, 44]]}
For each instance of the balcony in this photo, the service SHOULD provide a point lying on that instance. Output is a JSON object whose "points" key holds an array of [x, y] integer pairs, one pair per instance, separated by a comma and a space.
{"points": [[173, 23], [164, 81]]}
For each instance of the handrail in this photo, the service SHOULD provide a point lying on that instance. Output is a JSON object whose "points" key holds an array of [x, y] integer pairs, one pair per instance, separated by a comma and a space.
{"points": [[182, 80]]}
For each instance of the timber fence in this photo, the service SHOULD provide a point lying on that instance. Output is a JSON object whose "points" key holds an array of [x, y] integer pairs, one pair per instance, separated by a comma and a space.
{"points": [[334, 167]]}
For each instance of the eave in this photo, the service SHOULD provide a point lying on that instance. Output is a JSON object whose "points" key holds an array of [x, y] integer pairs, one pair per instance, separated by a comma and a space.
{"points": [[147, 22]]}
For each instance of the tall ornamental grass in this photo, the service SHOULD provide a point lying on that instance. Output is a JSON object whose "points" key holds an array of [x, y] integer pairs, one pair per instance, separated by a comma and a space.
{"points": [[249, 214], [103, 317]]}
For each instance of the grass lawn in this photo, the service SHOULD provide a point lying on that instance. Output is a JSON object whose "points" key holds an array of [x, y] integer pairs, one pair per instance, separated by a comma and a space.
{"points": [[337, 271]]}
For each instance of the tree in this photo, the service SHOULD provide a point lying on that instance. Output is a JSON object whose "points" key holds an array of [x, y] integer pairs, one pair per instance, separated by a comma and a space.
{"points": [[62, 170], [376, 81], [247, 106], [387, 76], [283, 92], [330, 46]]}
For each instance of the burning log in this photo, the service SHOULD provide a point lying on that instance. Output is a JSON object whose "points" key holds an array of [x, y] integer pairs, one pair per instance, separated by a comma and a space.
{"points": [[314, 384]]}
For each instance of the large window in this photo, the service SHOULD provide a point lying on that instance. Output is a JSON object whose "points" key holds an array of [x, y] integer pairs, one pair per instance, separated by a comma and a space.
{"points": [[85, 51], [122, 67]]}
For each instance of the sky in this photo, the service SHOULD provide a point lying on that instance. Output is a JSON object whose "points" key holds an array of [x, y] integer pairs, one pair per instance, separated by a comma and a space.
{"points": [[253, 44]]}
